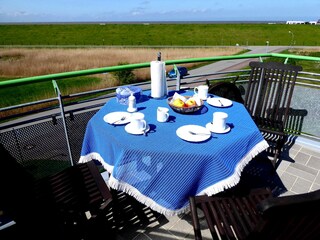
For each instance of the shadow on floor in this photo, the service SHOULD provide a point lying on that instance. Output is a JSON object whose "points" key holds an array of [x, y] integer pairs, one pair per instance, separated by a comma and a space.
{"points": [[129, 217], [261, 173]]}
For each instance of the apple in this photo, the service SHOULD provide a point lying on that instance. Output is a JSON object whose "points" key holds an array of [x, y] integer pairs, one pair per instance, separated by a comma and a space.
{"points": [[190, 103], [178, 102]]}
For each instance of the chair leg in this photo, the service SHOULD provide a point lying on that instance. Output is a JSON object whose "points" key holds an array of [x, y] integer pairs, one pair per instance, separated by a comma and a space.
{"points": [[275, 159], [274, 152], [278, 150], [195, 219]]}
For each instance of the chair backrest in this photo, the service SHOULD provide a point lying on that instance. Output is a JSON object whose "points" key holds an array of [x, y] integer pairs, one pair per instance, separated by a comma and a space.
{"points": [[226, 90], [270, 90], [291, 217], [52, 202], [78, 188]]}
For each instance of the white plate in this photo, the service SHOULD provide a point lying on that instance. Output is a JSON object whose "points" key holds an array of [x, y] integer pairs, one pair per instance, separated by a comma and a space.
{"points": [[211, 128], [115, 118], [131, 130], [219, 102], [202, 133]]}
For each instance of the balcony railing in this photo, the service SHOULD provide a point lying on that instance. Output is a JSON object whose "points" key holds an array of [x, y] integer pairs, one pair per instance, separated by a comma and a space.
{"points": [[48, 139]]}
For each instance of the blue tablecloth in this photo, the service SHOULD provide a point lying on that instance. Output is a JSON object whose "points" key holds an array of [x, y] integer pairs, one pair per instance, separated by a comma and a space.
{"points": [[161, 170]]}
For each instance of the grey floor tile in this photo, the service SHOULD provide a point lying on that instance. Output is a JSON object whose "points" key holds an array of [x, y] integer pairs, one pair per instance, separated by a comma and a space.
{"points": [[315, 187], [301, 186], [279, 172], [314, 162], [181, 233], [170, 222], [142, 236], [182, 228], [288, 180], [190, 237], [287, 193], [160, 234], [317, 180], [302, 158], [310, 151], [283, 165], [293, 153], [302, 171], [296, 147], [175, 227]]}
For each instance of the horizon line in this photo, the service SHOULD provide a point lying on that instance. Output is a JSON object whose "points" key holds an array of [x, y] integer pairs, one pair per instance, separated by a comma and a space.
{"points": [[143, 22]]}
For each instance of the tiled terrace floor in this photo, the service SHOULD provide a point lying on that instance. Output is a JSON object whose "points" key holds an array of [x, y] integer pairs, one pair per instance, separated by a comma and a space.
{"points": [[298, 172]]}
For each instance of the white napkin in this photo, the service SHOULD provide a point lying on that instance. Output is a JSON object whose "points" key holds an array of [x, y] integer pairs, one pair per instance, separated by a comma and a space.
{"points": [[177, 95], [197, 99]]}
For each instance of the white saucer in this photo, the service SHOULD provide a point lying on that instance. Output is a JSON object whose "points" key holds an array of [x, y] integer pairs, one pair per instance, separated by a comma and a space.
{"points": [[131, 130], [115, 118], [211, 128], [202, 133], [219, 102]]}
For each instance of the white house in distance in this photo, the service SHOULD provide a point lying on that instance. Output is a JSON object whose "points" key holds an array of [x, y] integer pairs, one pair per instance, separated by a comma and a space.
{"points": [[304, 22]]}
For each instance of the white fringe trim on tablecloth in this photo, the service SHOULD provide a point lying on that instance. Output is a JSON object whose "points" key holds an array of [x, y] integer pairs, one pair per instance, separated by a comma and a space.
{"points": [[235, 177], [96, 156], [127, 188], [132, 191], [216, 188]]}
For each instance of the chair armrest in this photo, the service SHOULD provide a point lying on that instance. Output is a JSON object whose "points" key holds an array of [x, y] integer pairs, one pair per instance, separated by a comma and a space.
{"points": [[103, 188], [279, 133], [291, 204]]}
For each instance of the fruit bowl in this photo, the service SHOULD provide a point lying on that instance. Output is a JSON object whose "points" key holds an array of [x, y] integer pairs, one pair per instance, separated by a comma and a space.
{"points": [[185, 109]]}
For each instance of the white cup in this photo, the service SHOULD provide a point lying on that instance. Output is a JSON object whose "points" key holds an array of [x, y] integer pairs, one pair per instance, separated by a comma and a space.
{"points": [[137, 121], [202, 91], [219, 120], [162, 114]]}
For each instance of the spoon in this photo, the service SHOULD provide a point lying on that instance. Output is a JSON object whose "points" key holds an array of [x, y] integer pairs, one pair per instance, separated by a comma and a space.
{"points": [[194, 133], [221, 103]]}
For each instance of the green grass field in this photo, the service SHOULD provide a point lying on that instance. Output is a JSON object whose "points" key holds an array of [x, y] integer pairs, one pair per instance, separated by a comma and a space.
{"points": [[147, 35], [36, 91], [160, 34]]}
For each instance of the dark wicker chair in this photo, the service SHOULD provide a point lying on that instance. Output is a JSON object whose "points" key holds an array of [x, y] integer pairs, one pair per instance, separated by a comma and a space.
{"points": [[258, 216], [70, 204], [227, 90], [268, 97]]}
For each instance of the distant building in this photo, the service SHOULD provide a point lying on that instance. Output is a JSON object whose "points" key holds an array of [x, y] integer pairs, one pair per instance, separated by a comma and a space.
{"points": [[304, 22]]}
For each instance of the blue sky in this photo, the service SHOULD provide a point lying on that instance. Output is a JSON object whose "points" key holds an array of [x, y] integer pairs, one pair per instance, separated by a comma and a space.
{"points": [[164, 10]]}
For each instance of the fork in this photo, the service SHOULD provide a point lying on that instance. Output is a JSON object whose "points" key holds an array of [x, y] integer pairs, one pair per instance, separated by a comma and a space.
{"points": [[121, 119]]}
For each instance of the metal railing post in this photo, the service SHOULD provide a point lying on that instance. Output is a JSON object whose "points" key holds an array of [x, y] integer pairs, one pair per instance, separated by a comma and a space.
{"points": [[178, 77], [286, 60], [57, 90]]}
